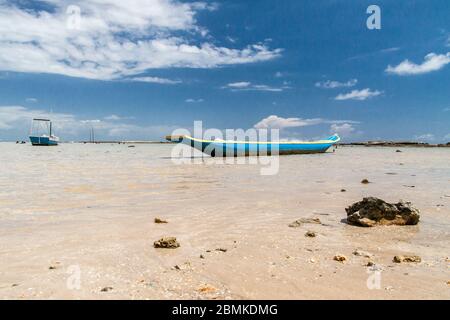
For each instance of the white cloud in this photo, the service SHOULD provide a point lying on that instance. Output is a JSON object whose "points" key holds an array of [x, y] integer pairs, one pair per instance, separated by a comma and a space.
{"points": [[427, 137], [154, 80], [31, 100], [446, 109], [358, 95], [194, 100], [276, 122], [114, 117], [248, 86], [331, 84], [239, 85], [114, 39], [343, 130], [432, 62], [67, 126]]}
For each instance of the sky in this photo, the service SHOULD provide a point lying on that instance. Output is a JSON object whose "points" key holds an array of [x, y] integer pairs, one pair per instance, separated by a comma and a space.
{"points": [[139, 69]]}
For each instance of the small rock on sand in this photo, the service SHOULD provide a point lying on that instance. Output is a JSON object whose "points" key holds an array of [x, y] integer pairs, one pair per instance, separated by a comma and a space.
{"points": [[310, 234], [343, 190], [206, 289], [106, 289], [301, 221], [340, 258], [361, 253], [166, 243], [373, 211], [398, 151], [222, 249], [159, 220], [365, 181], [400, 259]]}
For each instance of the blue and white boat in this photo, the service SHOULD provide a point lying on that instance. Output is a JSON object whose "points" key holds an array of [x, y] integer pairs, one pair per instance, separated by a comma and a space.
{"points": [[224, 148], [44, 139]]}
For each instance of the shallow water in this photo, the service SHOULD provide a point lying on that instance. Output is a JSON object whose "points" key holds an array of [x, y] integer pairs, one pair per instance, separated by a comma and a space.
{"points": [[93, 205]]}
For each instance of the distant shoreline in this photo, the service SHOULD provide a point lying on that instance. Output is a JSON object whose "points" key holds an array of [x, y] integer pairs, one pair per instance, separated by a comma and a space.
{"points": [[396, 144], [365, 144]]}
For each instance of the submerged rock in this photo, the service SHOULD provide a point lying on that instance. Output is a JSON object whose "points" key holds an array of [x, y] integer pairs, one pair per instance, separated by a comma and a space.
{"points": [[167, 243], [106, 289], [361, 253], [299, 222], [400, 259], [158, 220], [340, 258], [373, 211], [310, 234]]}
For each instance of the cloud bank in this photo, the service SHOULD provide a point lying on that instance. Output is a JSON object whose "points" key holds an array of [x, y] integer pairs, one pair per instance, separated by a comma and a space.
{"points": [[112, 39]]}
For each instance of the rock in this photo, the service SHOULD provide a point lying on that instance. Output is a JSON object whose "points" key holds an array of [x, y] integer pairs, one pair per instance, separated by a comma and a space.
{"points": [[299, 222], [340, 258], [373, 211], [398, 151], [222, 249], [400, 259], [361, 253], [310, 234], [158, 220], [365, 181], [52, 268], [206, 289], [370, 263], [343, 190], [167, 243], [106, 289]]}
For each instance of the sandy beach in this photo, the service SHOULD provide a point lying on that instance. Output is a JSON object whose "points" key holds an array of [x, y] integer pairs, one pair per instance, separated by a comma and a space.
{"points": [[77, 222]]}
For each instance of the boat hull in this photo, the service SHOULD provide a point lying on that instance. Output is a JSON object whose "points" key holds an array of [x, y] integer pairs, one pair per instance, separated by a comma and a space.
{"points": [[236, 149], [43, 141]]}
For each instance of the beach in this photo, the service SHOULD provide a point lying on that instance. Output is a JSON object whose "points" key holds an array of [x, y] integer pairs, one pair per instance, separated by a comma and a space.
{"points": [[77, 222]]}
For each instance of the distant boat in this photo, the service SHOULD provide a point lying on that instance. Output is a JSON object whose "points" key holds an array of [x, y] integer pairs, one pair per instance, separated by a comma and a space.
{"points": [[223, 148], [44, 139]]}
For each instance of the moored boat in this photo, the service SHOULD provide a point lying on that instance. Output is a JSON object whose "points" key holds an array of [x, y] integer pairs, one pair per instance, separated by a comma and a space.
{"points": [[38, 139], [224, 148]]}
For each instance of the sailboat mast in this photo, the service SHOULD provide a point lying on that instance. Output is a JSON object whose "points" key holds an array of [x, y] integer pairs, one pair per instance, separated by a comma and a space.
{"points": [[50, 128]]}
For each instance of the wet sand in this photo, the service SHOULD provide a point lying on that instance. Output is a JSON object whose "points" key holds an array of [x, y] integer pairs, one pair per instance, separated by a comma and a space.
{"points": [[89, 210]]}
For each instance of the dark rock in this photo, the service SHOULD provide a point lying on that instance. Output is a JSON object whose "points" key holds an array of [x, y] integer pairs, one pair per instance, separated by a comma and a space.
{"points": [[373, 211], [158, 220], [202, 256], [106, 289], [221, 249], [343, 190], [365, 181], [167, 243], [340, 258], [398, 151], [301, 221], [310, 234]]}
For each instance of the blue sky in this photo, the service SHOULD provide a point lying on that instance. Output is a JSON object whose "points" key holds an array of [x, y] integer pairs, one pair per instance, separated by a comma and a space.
{"points": [[140, 69]]}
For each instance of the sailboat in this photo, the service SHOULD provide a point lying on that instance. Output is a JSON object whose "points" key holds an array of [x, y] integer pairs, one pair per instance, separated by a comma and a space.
{"points": [[44, 139]]}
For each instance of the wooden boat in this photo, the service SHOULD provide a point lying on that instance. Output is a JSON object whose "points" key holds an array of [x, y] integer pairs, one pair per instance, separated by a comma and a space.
{"points": [[38, 139], [223, 148]]}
